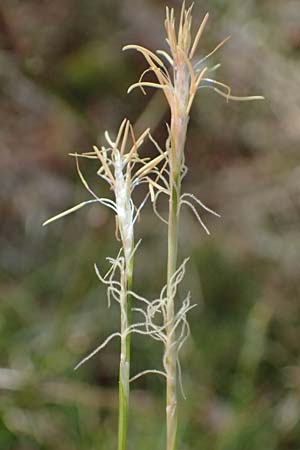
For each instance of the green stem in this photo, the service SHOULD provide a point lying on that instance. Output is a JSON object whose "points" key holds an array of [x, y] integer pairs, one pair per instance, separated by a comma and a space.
{"points": [[124, 372], [171, 399], [179, 123]]}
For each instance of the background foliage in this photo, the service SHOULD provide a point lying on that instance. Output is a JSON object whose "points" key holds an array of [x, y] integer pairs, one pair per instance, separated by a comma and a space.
{"points": [[63, 81]]}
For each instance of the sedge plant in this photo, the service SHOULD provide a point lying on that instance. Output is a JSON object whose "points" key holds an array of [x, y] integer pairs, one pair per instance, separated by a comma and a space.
{"points": [[123, 169], [180, 75]]}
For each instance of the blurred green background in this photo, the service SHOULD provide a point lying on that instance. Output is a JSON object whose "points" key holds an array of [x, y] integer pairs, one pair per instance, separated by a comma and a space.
{"points": [[63, 81]]}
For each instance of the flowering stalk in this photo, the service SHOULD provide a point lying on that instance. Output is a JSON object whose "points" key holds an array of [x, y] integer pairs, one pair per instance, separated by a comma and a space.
{"points": [[179, 76], [116, 169], [125, 223]]}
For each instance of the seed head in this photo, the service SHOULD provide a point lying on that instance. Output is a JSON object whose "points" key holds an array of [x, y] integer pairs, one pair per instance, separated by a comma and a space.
{"points": [[178, 72]]}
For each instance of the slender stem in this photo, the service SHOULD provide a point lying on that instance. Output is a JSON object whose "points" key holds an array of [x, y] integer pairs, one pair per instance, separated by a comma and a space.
{"points": [[171, 369], [124, 372], [179, 123]]}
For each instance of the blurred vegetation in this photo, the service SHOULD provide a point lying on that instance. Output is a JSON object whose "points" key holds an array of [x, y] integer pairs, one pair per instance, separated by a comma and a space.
{"points": [[63, 81]]}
